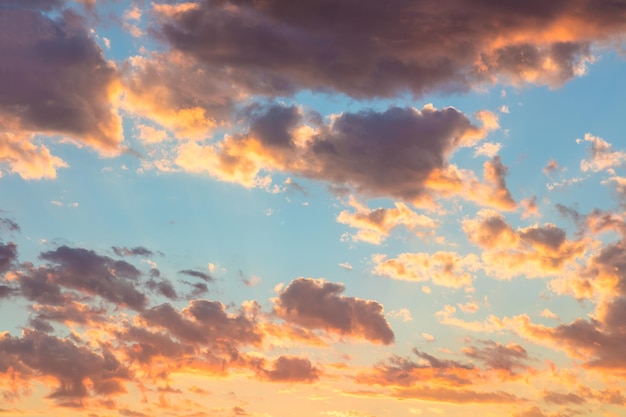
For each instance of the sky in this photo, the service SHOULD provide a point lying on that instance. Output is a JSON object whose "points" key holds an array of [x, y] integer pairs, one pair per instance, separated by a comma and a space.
{"points": [[329, 208]]}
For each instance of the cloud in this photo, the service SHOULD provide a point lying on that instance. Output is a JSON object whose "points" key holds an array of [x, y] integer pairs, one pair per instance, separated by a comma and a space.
{"points": [[203, 322], [36, 354], [93, 274], [552, 397], [510, 358], [603, 157], [19, 155], [353, 150], [551, 167], [487, 149], [197, 274], [405, 372], [374, 226], [176, 93], [508, 253], [136, 251], [292, 369], [57, 82], [447, 269], [367, 49], [8, 255], [403, 313], [318, 304]]}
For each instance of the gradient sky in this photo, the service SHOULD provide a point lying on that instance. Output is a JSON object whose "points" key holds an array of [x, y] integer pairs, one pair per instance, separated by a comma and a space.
{"points": [[340, 208]]}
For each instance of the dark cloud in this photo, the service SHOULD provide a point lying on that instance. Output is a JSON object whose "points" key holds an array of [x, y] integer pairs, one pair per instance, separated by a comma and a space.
{"points": [[93, 274], [38, 285], [203, 322], [163, 287], [552, 397], [400, 153], [292, 369], [197, 274], [548, 236], [318, 304], [38, 354], [9, 225], [510, 358], [145, 345], [136, 251], [8, 255], [57, 80], [368, 49]]}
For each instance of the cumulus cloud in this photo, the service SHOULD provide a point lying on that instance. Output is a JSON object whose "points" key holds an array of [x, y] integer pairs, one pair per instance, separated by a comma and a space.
{"points": [[93, 274], [19, 155], [57, 82], [447, 269], [202, 322], [508, 253], [292, 369], [38, 355], [367, 49], [374, 226], [197, 274], [319, 304], [602, 157], [400, 153]]}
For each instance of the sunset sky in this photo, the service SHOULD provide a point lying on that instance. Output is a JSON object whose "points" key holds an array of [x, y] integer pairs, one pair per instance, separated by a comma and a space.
{"points": [[329, 208]]}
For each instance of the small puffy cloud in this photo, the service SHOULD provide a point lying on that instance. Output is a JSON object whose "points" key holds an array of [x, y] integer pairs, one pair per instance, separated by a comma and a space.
{"points": [[551, 167], [508, 253], [488, 149], [19, 155], [428, 337], [374, 226], [403, 314], [447, 269], [470, 307], [319, 304], [529, 207], [602, 157], [292, 369], [548, 314]]}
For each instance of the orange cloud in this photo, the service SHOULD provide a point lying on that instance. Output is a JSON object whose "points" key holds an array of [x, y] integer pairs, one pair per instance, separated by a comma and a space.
{"points": [[509, 253], [374, 226], [447, 269], [318, 304]]}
